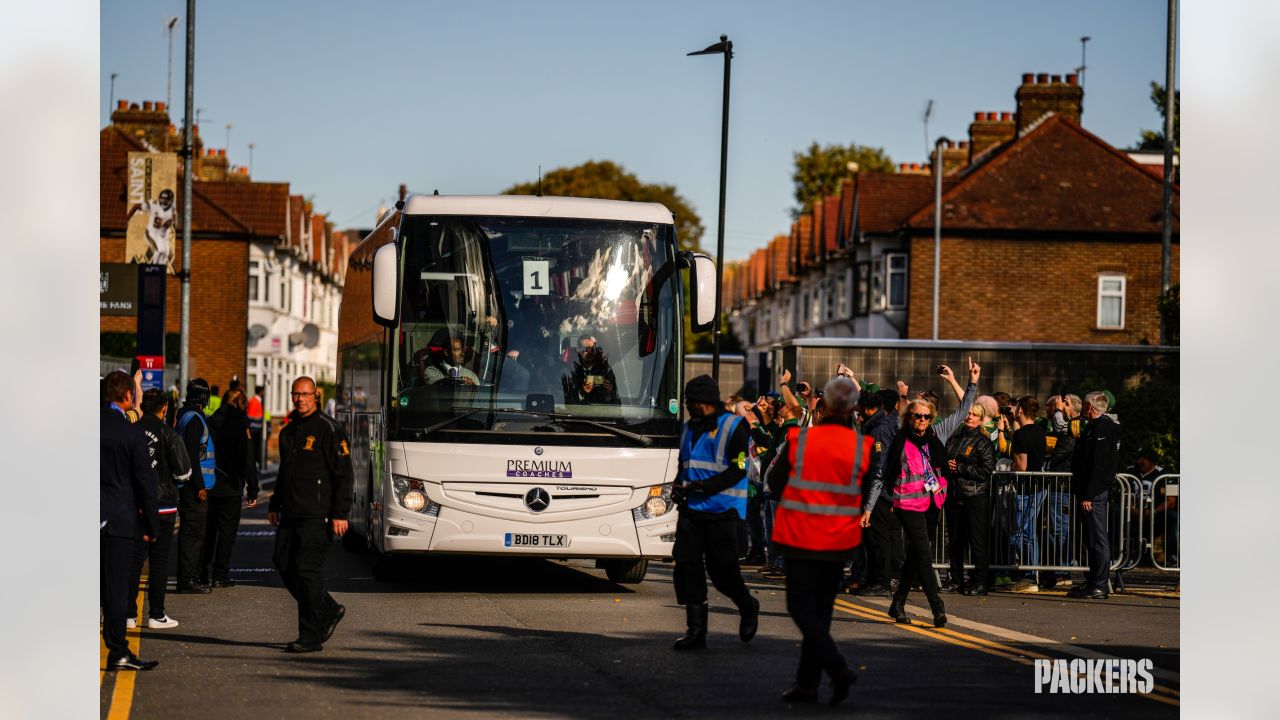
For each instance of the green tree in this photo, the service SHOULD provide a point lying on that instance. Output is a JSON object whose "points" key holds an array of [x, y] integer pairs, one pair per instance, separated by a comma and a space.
{"points": [[819, 170], [609, 181], [1154, 139]]}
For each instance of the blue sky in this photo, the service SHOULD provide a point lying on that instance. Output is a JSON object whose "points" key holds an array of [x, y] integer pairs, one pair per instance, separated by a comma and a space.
{"points": [[347, 100]]}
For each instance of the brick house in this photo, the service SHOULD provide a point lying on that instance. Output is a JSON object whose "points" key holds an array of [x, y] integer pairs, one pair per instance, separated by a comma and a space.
{"points": [[1049, 234], [238, 226]]}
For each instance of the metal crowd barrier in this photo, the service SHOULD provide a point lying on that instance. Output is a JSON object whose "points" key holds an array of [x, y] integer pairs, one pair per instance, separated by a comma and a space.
{"points": [[1035, 524], [1163, 528]]}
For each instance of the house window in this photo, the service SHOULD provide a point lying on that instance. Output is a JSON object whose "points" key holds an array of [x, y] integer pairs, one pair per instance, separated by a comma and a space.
{"points": [[896, 272], [842, 295], [1111, 302], [255, 280], [864, 288]]}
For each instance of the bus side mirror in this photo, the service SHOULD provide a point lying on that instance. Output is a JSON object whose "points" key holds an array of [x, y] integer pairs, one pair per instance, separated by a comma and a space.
{"points": [[703, 282], [384, 286]]}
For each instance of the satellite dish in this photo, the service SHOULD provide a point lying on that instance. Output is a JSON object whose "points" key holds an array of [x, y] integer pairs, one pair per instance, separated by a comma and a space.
{"points": [[256, 333], [310, 335], [296, 339]]}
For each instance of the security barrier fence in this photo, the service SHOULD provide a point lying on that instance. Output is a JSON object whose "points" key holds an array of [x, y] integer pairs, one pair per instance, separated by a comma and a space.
{"points": [[1035, 524]]}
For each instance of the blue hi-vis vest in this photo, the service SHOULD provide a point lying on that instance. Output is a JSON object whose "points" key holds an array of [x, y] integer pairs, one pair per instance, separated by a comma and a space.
{"points": [[207, 465], [705, 459]]}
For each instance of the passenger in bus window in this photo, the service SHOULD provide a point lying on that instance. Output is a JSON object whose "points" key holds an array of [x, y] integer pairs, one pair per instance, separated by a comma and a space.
{"points": [[451, 365], [593, 379]]}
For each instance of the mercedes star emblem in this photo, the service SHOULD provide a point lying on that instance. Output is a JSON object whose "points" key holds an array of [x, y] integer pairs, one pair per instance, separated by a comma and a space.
{"points": [[537, 499], [537, 451]]}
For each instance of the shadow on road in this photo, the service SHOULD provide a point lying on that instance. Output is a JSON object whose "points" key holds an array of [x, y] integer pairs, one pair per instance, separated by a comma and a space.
{"points": [[460, 574]]}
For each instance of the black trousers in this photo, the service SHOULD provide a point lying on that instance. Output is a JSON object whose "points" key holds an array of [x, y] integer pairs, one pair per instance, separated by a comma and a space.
{"points": [[707, 546], [1094, 525], [191, 514], [157, 553], [221, 525], [301, 545], [883, 540], [116, 557], [969, 525], [755, 523], [920, 529], [812, 586], [255, 440]]}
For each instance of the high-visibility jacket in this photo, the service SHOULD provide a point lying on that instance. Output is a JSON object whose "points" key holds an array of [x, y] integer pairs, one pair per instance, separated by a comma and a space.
{"points": [[704, 459], [823, 498], [910, 493], [254, 412], [206, 458]]}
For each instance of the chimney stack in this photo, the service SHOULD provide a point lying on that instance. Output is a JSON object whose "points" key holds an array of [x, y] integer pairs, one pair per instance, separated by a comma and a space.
{"points": [[989, 129], [1048, 94], [214, 167], [955, 156]]}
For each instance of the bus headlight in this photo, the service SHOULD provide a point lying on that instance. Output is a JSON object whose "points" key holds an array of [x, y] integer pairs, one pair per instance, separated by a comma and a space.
{"points": [[411, 494], [414, 500], [656, 505]]}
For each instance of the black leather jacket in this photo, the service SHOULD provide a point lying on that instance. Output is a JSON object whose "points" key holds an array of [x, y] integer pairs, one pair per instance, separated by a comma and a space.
{"points": [[975, 458]]}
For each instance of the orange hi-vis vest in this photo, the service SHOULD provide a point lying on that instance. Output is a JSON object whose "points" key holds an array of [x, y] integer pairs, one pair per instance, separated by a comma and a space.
{"points": [[823, 498]]}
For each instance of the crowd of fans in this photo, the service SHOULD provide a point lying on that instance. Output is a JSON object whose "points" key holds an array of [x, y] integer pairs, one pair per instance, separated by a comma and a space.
{"points": [[987, 514]]}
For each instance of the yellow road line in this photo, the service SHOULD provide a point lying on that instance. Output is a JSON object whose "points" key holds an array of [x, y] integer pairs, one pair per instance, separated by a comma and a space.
{"points": [[1018, 655], [122, 693]]}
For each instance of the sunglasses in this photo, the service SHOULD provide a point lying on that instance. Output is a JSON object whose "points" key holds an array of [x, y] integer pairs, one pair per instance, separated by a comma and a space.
{"points": [[921, 416]]}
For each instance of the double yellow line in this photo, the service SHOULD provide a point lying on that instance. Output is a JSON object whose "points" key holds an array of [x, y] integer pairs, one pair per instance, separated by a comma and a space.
{"points": [[122, 693], [1020, 655]]}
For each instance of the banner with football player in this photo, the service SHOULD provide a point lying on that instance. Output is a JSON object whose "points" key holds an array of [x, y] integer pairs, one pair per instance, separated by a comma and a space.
{"points": [[151, 236]]}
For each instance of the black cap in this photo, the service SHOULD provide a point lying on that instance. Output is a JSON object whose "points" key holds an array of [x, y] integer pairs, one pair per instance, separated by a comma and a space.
{"points": [[198, 391], [702, 389], [1145, 452]]}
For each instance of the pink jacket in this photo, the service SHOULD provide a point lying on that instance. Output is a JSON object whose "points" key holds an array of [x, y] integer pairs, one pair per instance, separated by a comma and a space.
{"points": [[910, 493]]}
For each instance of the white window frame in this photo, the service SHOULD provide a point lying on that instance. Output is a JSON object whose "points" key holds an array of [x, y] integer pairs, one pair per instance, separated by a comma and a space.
{"points": [[255, 282], [1104, 294], [889, 273]]}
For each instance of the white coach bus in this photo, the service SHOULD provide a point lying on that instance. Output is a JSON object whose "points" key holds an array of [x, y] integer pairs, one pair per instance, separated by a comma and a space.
{"points": [[510, 374]]}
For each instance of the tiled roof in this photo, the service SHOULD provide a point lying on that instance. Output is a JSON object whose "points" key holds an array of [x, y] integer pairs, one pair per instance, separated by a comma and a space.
{"points": [[1057, 178], [886, 200], [220, 207]]}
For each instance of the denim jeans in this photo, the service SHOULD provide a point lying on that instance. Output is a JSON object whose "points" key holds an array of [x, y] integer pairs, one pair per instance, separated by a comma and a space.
{"points": [[771, 506], [1025, 540]]}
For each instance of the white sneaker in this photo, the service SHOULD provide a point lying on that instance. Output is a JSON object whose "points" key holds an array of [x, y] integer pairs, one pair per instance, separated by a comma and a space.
{"points": [[160, 623], [130, 624]]}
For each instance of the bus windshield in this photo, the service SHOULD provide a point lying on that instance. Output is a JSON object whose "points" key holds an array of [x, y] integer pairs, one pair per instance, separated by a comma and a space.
{"points": [[567, 325]]}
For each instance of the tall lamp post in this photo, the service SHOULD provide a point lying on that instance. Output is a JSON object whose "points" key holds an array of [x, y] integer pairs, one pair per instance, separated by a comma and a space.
{"points": [[724, 47], [937, 227]]}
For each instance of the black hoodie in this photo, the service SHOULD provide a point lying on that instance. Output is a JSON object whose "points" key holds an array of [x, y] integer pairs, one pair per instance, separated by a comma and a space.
{"points": [[229, 426]]}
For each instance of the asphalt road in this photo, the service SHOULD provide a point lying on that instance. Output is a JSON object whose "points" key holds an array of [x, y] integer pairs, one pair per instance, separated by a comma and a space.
{"points": [[484, 637]]}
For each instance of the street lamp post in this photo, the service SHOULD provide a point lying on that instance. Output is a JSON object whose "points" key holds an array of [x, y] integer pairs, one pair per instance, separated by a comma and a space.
{"points": [[724, 47], [937, 227], [188, 142]]}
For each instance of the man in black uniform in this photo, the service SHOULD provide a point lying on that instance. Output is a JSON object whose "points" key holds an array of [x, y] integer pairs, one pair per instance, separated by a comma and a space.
{"points": [[193, 506], [308, 508], [883, 537], [127, 506], [711, 490]]}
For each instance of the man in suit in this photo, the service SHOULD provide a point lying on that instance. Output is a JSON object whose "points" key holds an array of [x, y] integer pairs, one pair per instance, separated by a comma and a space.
{"points": [[127, 497]]}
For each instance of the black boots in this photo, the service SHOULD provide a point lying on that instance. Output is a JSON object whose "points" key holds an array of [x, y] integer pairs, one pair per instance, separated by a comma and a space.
{"points": [[750, 621], [897, 613], [939, 612], [696, 636]]}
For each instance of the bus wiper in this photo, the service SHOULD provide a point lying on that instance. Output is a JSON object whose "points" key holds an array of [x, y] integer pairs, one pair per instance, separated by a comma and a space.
{"points": [[644, 440], [428, 430]]}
